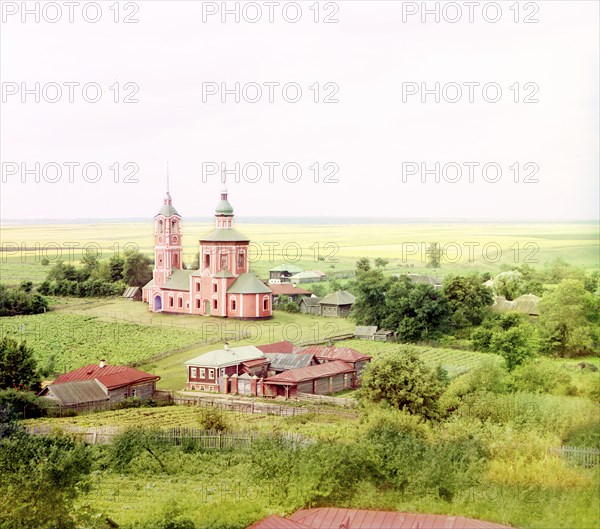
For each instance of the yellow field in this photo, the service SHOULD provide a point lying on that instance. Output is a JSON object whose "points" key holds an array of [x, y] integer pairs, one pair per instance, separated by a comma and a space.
{"points": [[328, 247]]}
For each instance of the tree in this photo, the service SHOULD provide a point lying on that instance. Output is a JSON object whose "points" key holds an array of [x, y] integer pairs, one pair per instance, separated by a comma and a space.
{"points": [[116, 265], [370, 287], [568, 319], [434, 254], [469, 300], [415, 311], [515, 345], [40, 478], [511, 284], [137, 271], [90, 262], [402, 380], [18, 368], [381, 263]]}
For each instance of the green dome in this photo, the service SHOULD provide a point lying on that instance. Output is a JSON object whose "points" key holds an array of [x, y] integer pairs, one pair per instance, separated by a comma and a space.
{"points": [[224, 208]]}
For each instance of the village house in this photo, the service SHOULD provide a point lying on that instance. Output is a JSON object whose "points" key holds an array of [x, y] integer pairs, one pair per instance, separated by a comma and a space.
{"points": [[282, 273], [310, 276], [320, 379], [291, 292], [93, 384], [334, 518], [219, 371], [310, 305], [338, 304], [354, 358], [223, 284], [370, 332]]}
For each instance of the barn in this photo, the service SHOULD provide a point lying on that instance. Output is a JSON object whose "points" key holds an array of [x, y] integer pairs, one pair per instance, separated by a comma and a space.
{"points": [[310, 305], [321, 379], [337, 305], [354, 358], [116, 382]]}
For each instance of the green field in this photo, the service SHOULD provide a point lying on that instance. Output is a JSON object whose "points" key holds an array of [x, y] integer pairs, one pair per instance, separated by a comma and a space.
{"points": [[331, 248]]}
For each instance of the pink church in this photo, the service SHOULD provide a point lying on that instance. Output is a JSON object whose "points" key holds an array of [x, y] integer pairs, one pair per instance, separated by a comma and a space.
{"points": [[222, 286]]}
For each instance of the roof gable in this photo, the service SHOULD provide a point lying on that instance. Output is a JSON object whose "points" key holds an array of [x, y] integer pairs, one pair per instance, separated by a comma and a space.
{"points": [[341, 297], [248, 283], [307, 373], [81, 392], [109, 376]]}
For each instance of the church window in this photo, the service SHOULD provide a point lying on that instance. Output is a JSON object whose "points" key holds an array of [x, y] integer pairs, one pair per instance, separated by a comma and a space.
{"points": [[175, 260], [170, 302], [215, 304], [266, 304], [241, 260], [198, 301], [215, 287], [198, 288], [206, 260], [233, 304], [161, 227], [174, 226], [223, 261], [180, 302]]}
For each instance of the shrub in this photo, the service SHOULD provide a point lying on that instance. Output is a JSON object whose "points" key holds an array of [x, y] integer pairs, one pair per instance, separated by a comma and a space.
{"points": [[22, 404], [536, 376], [132, 443], [213, 419]]}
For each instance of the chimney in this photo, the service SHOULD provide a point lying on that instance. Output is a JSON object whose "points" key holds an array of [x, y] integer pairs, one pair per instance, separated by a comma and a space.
{"points": [[102, 363]]}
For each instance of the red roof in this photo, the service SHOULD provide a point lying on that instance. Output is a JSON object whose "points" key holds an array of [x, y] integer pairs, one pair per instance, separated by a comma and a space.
{"points": [[277, 347], [277, 522], [328, 518], [289, 290], [255, 363], [294, 376], [109, 376], [335, 353]]}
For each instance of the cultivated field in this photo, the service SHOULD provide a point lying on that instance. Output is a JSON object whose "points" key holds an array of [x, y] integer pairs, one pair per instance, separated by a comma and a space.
{"points": [[331, 248]]}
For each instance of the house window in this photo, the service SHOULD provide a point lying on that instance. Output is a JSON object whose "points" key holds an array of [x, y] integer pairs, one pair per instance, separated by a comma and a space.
{"points": [[233, 305], [215, 289], [215, 304], [194, 372], [134, 393], [201, 388], [202, 372], [180, 302], [266, 304], [211, 374], [170, 302]]}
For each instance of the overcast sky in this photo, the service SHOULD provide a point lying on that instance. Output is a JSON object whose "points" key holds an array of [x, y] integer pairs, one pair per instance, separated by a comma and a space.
{"points": [[366, 61]]}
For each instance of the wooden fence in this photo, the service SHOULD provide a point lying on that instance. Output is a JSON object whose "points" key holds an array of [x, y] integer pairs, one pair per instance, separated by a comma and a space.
{"points": [[259, 407], [206, 439], [325, 399], [575, 455]]}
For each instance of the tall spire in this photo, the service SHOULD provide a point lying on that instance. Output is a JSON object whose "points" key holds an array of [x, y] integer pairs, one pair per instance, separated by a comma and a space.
{"points": [[168, 201]]}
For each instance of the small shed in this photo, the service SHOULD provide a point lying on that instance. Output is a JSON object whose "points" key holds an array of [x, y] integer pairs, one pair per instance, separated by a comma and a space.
{"points": [[83, 393], [321, 379], [310, 305], [133, 293], [280, 362], [337, 305], [365, 332]]}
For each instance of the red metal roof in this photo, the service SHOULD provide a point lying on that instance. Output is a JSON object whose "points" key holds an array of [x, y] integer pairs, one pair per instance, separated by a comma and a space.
{"points": [[335, 353], [293, 376], [255, 363], [329, 518], [110, 376], [277, 522], [288, 289], [277, 347]]}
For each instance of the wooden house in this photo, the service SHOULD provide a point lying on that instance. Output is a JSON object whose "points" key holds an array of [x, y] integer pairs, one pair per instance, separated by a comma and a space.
{"points": [[283, 273], [354, 358], [337, 305], [310, 305], [320, 379]]}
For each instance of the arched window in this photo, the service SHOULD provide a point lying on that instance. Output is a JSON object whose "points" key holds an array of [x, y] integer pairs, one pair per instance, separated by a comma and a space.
{"points": [[161, 226], [174, 226]]}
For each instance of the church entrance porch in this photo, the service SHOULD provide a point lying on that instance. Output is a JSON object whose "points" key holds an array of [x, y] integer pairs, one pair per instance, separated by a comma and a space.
{"points": [[157, 304]]}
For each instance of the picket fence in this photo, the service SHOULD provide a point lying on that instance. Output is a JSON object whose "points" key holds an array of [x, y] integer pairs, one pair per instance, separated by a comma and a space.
{"points": [[205, 439], [575, 455]]}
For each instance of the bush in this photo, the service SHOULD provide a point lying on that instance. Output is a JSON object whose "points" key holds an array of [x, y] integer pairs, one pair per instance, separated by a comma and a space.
{"points": [[18, 301], [213, 419], [22, 404], [537, 376], [132, 443]]}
